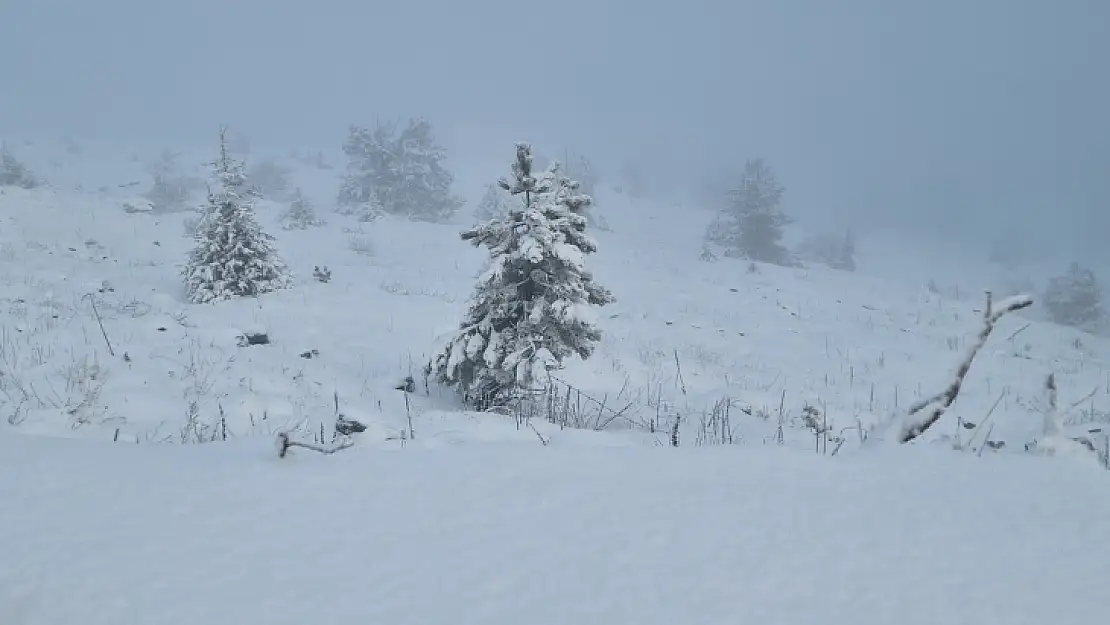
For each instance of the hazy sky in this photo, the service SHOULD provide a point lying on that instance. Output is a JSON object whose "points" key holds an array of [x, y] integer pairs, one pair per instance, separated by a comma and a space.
{"points": [[951, 112]]}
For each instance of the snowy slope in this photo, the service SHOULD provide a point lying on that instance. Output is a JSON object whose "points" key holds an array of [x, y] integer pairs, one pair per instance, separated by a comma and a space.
{"points": [[683, 335], [476, 520], [104, 534]]}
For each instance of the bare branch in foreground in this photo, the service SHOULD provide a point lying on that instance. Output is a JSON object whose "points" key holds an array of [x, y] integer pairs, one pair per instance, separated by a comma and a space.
{"points": [[925, 413], [284, 444]]}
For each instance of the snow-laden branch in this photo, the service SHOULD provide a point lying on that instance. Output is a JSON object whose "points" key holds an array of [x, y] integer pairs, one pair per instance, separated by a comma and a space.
{"points": [[1053, 440], [925, 413]]}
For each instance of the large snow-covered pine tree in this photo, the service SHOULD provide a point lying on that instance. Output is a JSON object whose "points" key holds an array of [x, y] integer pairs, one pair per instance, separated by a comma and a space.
{"points": [[751, 225], [531, 308], [233, 257]]}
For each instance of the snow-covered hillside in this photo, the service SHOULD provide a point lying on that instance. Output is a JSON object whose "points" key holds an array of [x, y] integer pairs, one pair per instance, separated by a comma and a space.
{"points": [[439, 515], [683, 336]]}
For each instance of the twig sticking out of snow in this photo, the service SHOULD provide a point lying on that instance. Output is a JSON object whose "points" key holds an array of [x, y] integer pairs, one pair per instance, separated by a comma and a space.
{"points": [[96, 313], [1075, 404], [1053, 420], [918, 419], [1053, 441], [538, 435], [284, 444]]}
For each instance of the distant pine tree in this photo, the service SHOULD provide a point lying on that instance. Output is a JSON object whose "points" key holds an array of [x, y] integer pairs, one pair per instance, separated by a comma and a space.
{"points": [[493, 204], [751, 225], [271, 178], [1074, 299], [14, 173], [832, 251], [169, 190], [402, 173], [233, 257], [583, 170], [531, 306], [847, 258], [369, 167], [422, 190]]}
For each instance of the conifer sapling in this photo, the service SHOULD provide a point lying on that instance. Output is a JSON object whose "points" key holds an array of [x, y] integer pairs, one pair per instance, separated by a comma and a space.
{"points": [[233, 257], [531, 308]]}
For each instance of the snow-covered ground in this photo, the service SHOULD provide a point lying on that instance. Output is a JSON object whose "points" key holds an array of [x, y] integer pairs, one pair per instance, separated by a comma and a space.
{"points": [[493, 534], [475, 520]]}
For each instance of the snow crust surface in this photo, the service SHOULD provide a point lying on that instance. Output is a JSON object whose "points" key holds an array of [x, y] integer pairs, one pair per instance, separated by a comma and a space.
{"points": [[493, 534]]}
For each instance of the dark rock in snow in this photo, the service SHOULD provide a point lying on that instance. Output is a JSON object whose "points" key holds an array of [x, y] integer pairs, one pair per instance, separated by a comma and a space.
{"points": [[260, 338], [346, 426]]}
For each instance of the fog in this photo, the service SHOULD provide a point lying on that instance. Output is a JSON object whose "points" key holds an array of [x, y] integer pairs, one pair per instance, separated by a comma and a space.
{"points": [[947, 115]]}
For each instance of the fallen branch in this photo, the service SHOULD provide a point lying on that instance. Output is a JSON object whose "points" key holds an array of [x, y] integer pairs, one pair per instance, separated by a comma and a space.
{"points": [[285, 443], [918, 419]]}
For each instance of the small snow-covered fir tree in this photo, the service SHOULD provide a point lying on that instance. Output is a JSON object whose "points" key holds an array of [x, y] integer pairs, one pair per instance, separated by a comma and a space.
{"points": [[531, 307], [301, 213], [751, 225], [404, 173], [14, 173], [233, 257], [493, 204], [1074, 299]]}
